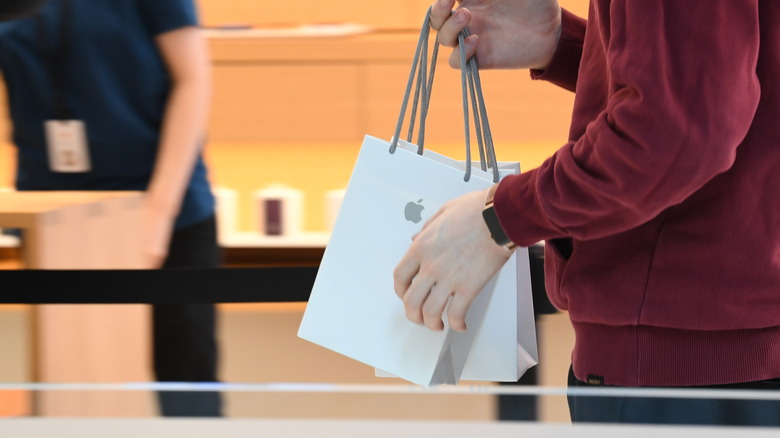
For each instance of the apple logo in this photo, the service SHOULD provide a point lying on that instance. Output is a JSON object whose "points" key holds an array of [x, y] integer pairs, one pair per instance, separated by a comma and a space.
{"points": [[413, 211]]}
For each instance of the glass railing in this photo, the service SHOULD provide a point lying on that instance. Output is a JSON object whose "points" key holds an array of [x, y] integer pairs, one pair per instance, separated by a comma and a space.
{"points": [[377, 410]]}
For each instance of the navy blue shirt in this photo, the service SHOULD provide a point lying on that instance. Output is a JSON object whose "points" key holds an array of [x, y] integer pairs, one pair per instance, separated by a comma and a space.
{"points": [[117, 83]]}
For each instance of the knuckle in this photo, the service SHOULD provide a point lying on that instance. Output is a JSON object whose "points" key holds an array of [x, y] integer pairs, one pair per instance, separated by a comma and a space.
{"points": [[397, 275], [433, 324], [413, 316], [430, 315], [412, 311]]}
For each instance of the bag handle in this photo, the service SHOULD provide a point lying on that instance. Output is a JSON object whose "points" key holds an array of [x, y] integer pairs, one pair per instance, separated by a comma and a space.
{"points": [[471, 90]]}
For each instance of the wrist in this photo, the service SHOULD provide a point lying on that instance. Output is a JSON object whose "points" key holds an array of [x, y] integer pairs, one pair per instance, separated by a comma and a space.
{"points": [[160, 206], [489, 215]]}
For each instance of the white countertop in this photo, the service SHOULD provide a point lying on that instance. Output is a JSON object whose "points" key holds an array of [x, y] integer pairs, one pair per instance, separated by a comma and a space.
{"points": [[305, 428]]}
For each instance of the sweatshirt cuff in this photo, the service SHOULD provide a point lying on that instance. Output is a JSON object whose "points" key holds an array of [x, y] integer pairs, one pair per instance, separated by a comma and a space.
{"points": [[520, 213]]}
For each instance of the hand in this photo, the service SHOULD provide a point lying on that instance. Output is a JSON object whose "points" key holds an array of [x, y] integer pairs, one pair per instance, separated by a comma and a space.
{"points": [[450, 260], [156, 234], [504, 33]]}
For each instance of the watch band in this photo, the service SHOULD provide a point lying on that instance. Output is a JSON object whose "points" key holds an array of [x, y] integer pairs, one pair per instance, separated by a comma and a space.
{"points": [[491, 220]]}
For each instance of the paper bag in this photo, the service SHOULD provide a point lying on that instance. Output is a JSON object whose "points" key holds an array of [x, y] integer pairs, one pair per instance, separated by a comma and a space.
{"points": [[353, 309], [394, 188]]}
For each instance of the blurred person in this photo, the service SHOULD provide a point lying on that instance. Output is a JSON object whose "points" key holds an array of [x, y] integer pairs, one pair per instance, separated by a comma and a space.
{"points": [[661, 213], [114, 95]]}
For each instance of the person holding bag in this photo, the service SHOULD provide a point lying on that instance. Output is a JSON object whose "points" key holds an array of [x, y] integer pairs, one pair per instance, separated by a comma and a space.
{"points": [[660, 214], [130, 81]]}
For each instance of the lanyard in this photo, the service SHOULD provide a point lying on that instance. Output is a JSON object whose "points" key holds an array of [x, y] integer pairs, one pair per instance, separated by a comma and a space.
{"points": [[56, 59]]}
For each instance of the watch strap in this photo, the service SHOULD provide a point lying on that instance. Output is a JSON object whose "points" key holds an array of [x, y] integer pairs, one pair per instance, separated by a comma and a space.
{"points": [[494, 225]]}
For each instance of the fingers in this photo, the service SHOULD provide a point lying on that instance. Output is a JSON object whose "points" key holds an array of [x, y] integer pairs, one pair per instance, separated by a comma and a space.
{"points": [[449, 25], [440, 12], [417, 293], [456, 313], [423, 300], [449, 30], [425, 303], [404, 273], [434, 305], [470, 44]]}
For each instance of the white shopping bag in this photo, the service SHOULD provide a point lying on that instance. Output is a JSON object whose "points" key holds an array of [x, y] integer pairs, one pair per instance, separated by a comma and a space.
{"points": [[353, 309], [394, 188]]}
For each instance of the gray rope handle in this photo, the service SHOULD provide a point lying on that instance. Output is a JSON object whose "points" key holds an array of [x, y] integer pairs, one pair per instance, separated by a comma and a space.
{"points": [[471, 89], [422, 89]]}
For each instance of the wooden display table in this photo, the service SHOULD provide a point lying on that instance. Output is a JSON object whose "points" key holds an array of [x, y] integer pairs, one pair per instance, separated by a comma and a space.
{"points": [[75, 230], [83, 343]]}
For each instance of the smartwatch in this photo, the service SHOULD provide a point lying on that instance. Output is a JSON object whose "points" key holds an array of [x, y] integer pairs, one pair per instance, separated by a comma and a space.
{"points": [[491, 220]]}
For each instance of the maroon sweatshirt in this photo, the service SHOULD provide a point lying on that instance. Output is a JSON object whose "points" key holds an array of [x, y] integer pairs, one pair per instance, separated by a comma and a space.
{"points": [[662, 212]]}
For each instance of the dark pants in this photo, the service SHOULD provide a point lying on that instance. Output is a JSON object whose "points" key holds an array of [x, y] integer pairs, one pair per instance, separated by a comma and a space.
{"points": [[184, 335], [679, 411], [519, 407]]}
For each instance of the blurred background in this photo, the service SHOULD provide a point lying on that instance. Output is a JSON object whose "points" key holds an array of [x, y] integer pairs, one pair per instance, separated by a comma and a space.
{"points": [[297, 85]]}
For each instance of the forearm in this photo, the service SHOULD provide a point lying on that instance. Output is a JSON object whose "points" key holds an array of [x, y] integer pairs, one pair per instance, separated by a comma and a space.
{"points": [[651, 124], [184, 123], [181, 140]]}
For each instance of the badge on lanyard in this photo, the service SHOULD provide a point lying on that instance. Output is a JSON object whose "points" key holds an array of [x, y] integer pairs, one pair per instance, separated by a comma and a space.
{"points": [[66, 141], [66, 137]]}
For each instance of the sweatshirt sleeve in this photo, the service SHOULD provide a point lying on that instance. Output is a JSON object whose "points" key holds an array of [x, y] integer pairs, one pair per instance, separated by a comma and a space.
{"points": [[563, 68], [167, 15], [679, 97]]}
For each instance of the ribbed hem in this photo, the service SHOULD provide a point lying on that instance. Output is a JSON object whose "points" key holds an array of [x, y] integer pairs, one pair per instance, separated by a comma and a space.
{"points": [[655, 356]]}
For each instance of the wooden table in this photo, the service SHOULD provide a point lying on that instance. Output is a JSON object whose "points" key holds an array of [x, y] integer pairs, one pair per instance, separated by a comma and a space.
{"points": [[83, 343], [75, 230]]}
